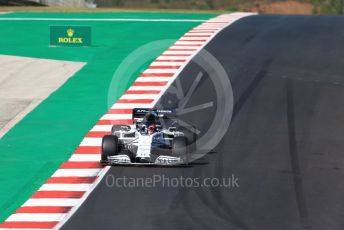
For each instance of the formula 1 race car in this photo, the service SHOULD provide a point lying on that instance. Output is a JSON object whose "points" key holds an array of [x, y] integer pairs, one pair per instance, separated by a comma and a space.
{"points": [[154, 138]]}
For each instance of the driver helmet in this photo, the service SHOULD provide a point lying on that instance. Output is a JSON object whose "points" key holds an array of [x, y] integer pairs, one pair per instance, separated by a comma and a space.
{"points": [[151, 121]]}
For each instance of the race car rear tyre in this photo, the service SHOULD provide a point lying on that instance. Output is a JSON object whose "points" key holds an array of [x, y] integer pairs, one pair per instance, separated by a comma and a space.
{"points": [[109, 146], [180, 148], [190, 136]]}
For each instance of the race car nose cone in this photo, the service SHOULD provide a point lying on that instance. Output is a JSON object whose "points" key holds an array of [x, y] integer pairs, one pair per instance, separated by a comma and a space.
{"points": [[143, 160]]}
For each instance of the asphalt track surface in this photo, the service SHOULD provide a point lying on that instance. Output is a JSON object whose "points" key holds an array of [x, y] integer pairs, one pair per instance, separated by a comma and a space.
{"points": [[285, 142]]}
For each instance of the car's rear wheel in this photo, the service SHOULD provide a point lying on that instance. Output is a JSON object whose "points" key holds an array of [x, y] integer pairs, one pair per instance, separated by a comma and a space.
{"points": [[190, 136], [180, 148], [109, 147]]}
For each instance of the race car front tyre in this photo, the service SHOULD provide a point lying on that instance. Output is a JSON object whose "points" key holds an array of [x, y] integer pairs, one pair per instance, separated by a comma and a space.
{"points": [[180, 148], [109, 147]]}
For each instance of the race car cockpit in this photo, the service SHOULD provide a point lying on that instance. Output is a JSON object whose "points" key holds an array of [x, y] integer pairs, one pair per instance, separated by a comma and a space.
{"points": [[151, 123]]}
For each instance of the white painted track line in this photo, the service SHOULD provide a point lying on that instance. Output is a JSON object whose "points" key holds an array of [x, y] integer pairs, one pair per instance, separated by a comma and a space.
{"points": [[88, 141], [76, 173], [51, 202], [85, 157], [117, 116], [130, 96], [130, 105], [166, 63], [189, 43], [104, 19], [152, 79], [101, 128], [146, 88], [164, 58], [180, 52], [65, 187], [36, 217], [199, 34]]}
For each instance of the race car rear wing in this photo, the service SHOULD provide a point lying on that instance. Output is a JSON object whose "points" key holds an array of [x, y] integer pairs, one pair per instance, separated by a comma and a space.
{"points": [[141, 112]]}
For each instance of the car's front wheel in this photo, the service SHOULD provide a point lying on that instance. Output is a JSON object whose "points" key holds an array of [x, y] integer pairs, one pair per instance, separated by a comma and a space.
{"points": [[109, 147]]}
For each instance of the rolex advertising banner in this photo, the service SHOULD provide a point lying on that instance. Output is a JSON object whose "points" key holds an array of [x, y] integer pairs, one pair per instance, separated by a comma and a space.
{"points": [[70, 36]]}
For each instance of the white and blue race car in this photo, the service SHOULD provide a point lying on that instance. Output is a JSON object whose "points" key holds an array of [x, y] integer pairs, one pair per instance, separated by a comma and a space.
{"points": [[154, 138]]}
